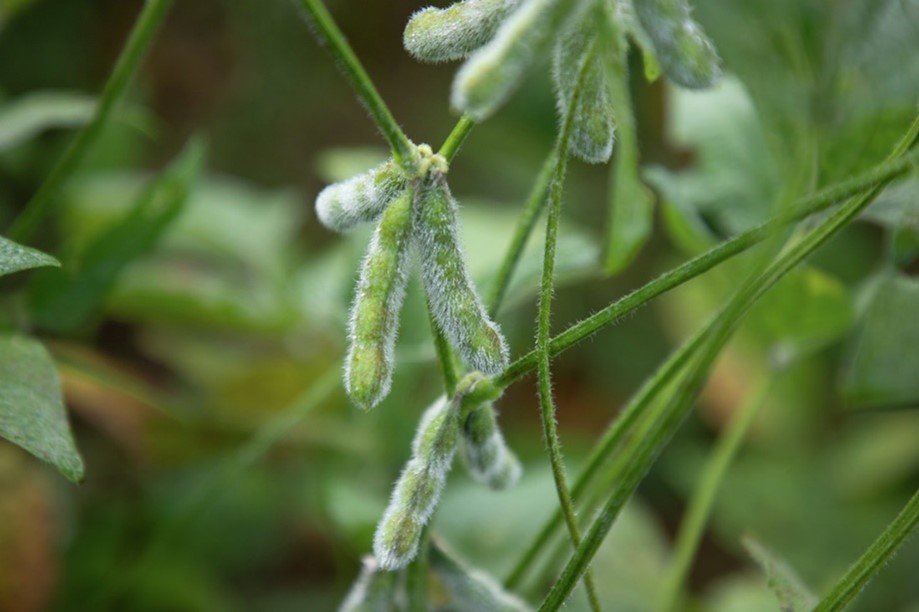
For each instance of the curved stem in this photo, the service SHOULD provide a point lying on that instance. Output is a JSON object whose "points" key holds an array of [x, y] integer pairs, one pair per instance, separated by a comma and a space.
{"points": [[457, 137], [135, 48], [332, 37]]}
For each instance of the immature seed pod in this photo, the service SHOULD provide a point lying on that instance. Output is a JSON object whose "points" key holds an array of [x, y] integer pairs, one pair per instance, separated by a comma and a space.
{"points": [[418, 489], [456, 306], [373, 591], [360, 199], [468, 588], [452, 33], [493, 72], [594, 125], [685, 53], [374, 321], [485, 452]]}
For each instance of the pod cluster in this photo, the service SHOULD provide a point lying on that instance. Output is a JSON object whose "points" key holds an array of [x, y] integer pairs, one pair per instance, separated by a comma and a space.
{"points": [[501, 39], [418, 212]]}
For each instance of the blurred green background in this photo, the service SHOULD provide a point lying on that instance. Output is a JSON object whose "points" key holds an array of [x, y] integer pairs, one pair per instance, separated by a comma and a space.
{"points": [[226, 469]]}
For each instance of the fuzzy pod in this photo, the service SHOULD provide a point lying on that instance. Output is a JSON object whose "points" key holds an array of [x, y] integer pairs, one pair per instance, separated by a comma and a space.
{"points": [[493, 72], [468, 588], [373, 591], [452, 33], [485, 452], [454, 302], [417, 492], [374, 321], [360, 199], [685, 53], [594, 125]]}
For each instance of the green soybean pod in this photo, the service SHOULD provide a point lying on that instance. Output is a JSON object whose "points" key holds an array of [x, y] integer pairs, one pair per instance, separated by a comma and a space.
{"points": [[493, 72], [452, 296], [685, 53], [373, 591], [594, 124], [468, 588], [485, 452], [362, 198], [417, 491], [374, 321], [452, 33]]}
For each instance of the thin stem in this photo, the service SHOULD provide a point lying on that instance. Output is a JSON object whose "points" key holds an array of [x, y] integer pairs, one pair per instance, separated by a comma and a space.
{"points": [[146, 26], [332, 37], [535, 202], [706, 490], [877, 177], [543, 331], [457, 137], [871, 562], [444, 355]]}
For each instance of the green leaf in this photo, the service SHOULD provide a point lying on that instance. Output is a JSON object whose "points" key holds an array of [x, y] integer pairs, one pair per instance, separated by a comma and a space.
{"points": [[32, 413], [28, 116], [471, 589], [883, 366], [64, 300], [15, 257], [792, 593]]}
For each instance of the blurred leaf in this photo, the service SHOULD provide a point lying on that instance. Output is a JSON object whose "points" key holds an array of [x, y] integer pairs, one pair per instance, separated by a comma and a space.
{"points": [[34, 113], [632, 215], [339, 164], [804, 312], [883, 366], [789, 589], [739, 593], [15, 257], [9, 8], [897, 209], [468, 588], [63, 300], [32, 411]]}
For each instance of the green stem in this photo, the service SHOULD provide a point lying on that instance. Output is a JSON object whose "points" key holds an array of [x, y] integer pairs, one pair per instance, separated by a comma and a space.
{"points": [[703, 496], [330, 36], [543, 331], [525, 224], [146, 26], [877, 177], [457, 137], [416, 575], [871, 562]]}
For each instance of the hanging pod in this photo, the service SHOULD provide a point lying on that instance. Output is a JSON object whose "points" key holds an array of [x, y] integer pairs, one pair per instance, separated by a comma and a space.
{"points": [[452, 33], [452, 296], [360, 199], [418, 489], [578, 58], [485, 452], [685, 53], [374, 321]]}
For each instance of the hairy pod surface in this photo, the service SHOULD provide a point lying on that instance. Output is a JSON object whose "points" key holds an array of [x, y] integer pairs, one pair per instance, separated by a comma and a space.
{"points": [[452, 33], [468, 588], [594, 124], [373, 591], [493, 72], [374, 322], [685, 53], [360, 199], [455, 304], [485, 451], [416, 493]]}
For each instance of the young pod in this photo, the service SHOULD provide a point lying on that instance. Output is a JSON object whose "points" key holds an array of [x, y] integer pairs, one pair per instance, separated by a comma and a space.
{"points": [[374, 321], [452, 33], [373, 591], [685, 53], [418, 489], [485, 452], [456, 306], [468, 588], [493, 72], [578, 59], [360, 199]]}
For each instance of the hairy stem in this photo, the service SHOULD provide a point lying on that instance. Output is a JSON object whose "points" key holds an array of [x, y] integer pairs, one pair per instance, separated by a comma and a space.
{"points": [[457, 137], [135, 48], [871, 562], [331, 37]]}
